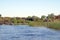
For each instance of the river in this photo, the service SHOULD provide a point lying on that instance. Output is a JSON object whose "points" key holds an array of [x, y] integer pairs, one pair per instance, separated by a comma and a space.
{"points": [[25, 32]]}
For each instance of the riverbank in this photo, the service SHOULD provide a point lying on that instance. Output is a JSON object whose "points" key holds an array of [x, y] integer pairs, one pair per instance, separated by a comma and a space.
{"points": [[53, 25], [50, 21]]}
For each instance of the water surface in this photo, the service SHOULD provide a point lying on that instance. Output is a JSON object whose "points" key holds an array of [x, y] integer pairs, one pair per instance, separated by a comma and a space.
{"points": [[25, 32]]}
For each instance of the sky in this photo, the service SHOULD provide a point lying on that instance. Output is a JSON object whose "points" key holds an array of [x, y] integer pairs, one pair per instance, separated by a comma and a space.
{"points": [[24, 8]]}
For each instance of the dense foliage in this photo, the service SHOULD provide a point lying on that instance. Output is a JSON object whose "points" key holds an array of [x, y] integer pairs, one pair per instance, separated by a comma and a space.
{"points": [[51, 21]]}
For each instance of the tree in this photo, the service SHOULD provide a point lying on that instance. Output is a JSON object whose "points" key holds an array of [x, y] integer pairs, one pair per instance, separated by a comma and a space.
{"points": [[51, 17], [0, 15], [29, 18], [43, 17], [35, 18], [14, 21]]}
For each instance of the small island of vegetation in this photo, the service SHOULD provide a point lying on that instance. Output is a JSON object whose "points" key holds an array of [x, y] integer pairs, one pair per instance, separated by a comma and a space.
{"points": [[50, 21]]}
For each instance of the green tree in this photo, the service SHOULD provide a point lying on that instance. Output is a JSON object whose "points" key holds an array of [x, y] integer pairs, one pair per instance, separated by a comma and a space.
{"points": [[14, 20], [51, 16], [35, 18], [43, 17]]}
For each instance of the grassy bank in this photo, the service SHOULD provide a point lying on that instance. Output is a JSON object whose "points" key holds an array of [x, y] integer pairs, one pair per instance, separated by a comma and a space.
{"points": [[53, 25]]}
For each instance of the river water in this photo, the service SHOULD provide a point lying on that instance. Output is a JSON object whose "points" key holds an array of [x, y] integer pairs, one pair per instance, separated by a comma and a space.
{"points": [[25, 32]]}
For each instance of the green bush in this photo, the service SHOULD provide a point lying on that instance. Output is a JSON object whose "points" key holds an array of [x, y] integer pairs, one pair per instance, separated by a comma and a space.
{"points": [[54, 25]]}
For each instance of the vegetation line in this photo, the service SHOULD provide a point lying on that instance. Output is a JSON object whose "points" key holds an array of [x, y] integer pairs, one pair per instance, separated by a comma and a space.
{"points": [[51, 21]]}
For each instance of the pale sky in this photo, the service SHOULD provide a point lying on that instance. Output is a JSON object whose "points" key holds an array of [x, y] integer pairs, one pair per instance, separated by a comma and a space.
{"points": [[24, 8]]}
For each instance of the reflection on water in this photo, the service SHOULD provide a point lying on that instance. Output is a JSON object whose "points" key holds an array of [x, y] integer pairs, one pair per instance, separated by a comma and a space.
{"points": [[24, 32]]}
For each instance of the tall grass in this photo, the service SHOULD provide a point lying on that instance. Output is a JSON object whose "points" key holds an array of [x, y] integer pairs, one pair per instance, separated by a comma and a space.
{"points": [[53, 25]]}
